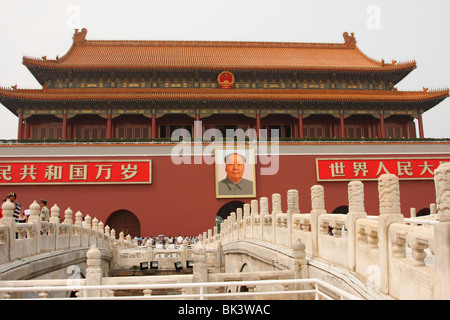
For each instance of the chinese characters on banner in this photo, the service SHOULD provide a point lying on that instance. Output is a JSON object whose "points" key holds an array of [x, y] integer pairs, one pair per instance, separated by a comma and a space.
{"points": [[75, 172], [372, 169]]}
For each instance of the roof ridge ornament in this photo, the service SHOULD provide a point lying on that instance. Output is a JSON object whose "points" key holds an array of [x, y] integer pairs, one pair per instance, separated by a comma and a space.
{"points": [[79, 37], [350, 40]]}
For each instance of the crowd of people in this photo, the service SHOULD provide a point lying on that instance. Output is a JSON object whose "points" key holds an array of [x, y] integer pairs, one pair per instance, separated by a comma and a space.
{"points": [[21, 215], [168, 241]]}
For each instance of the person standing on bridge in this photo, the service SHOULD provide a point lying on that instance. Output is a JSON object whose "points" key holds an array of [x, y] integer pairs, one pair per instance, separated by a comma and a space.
{"points": [[45, 213], [18, 207]]}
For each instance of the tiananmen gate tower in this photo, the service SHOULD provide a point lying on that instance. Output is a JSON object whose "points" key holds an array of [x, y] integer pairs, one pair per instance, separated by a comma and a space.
{"points": [[97, 136]]}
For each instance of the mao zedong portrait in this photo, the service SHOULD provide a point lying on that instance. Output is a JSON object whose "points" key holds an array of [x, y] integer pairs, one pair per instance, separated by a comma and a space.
{"points": [[234, 184]]}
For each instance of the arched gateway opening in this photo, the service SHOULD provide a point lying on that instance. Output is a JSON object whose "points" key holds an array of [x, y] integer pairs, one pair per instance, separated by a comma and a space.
{"points": [[124, 221], [225, 211]]}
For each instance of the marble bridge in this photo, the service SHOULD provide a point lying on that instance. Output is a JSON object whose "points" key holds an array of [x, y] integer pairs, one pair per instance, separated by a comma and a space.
{"points": [[258, 253]]}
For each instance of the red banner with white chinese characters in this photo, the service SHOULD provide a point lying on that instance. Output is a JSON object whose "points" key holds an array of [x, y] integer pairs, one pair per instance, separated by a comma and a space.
{"points": [[373, 168], [75, 172]]}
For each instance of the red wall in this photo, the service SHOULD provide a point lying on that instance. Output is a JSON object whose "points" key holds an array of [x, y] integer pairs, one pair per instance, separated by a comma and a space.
{"points": [[181, 198]]}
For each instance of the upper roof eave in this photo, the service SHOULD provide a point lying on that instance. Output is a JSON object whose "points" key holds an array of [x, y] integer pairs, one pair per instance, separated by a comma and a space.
{"points": [[202, 55], [125, 94]]}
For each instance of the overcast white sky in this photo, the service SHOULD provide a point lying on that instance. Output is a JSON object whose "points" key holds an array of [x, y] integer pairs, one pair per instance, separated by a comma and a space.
{"points": [[397, 29]]}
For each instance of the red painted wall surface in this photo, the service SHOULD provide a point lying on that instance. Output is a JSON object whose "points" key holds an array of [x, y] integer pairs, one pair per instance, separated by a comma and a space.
{"points": [[181, 198]]}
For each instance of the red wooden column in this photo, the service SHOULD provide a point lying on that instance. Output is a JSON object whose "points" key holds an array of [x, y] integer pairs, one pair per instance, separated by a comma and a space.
{"points": [[382, 128], [109, 126], [20, 127], [154, 135], [419, 119], [198, 131], [26, 130], [64, 126], [300, 125], [342, 125], [258, 123]]}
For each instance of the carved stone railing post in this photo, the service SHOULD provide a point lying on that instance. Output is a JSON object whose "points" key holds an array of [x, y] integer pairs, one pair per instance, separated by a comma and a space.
{"points": [[78, 219], [200, 270], [254, 214], [68, 214], [356, 210], [94, 271], [54, 214], [54, 218], [35, 217], [293, 208], [442, 232], [94, 231], [300, 264], [276, 209], [101, 232], [317, 209], [247, 233], [240, 224], [264, 210], [68, 220], [8, 220], [389, 198]]}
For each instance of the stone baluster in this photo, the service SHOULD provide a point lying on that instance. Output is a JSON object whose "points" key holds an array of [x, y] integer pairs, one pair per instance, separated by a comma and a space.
{"points": [[412, 213], [88, 226], [54, 214], [247, 222], [317, 209], [300, 265], [372, 237], [389, 199], [88, 222], [128, 241], [418, 247], [433, 208], [78, 219], [200, 270], [68, 214], [54, 220], [264, 205], [398, 240], [68, 221], [147, 292], [184, 251], [215, 232], [210, 234], [35, 217], [240, 224], [121, 240], [254, 216], [293, 208], [94, 231], [276, 209], [442, 232], [233, 226], [94, 271], [101, 232], [95, 224], [356, 210]]}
